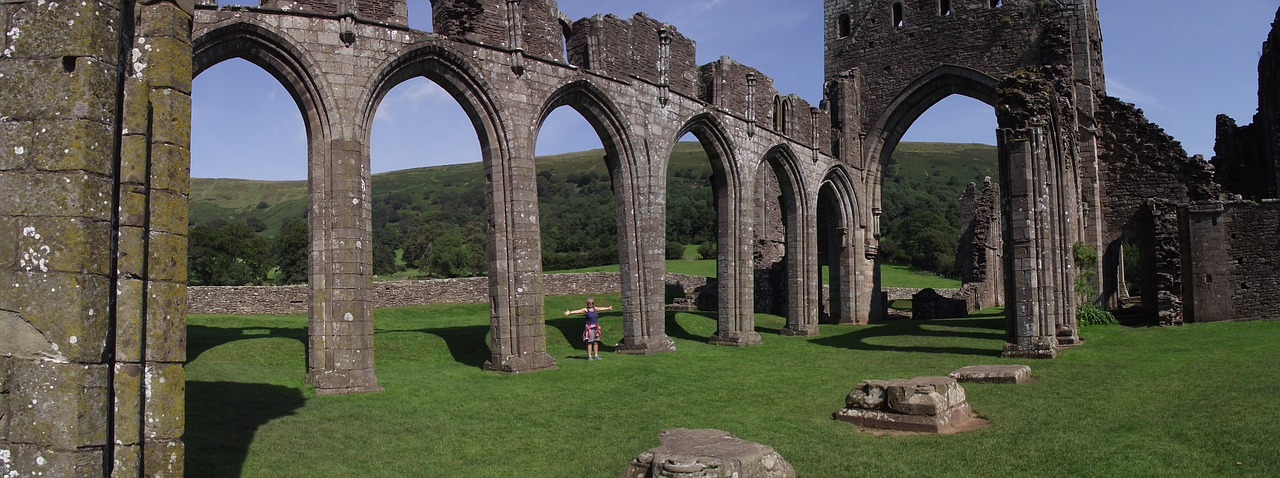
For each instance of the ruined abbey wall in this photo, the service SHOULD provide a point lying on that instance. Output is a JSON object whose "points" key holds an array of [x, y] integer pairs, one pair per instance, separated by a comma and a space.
{"points": [[1247, 158], [1229, 249], [1147, 174]]}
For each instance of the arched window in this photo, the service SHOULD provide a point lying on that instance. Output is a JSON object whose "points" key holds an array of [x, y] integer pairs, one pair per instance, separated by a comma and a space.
{"points": [[843, 28], [898, 20], [778, 116]]}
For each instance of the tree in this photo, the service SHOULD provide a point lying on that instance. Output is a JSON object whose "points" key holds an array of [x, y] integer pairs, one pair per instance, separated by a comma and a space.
{"points": [[290, 250], [227, 254]]}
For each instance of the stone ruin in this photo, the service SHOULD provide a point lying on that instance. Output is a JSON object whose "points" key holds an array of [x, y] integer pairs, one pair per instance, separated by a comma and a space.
{"points": [[706, 453], [980, 249], [95, 114], [928, 304], [922, 404]]}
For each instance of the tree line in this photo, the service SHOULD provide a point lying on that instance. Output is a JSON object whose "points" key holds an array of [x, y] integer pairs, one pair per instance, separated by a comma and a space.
{"points": [[430, 222]]}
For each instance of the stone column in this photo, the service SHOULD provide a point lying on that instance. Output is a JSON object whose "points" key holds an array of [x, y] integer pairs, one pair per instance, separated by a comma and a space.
{"points": [[94, 171], [801, 261], [518, 337], [735, 264], [638, 186], [340, 331], [1031, 327]]}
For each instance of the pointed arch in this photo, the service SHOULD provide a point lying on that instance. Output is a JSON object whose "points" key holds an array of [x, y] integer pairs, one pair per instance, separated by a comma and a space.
{"points": [[800, 238], [840, 247], [734, 270], [278, 57], [641, 263]]}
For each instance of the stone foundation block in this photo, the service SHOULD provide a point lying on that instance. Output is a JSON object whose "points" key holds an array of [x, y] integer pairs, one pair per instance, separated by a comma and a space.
{"points": [[707, 453], [924, 404], [1014, 374]]}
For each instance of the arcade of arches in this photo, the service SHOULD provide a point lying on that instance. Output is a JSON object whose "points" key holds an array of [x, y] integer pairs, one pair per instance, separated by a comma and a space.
{"points": [[96, 308]]}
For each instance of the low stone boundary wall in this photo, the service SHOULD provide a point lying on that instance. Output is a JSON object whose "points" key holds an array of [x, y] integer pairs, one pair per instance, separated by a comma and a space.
{"points": [[900, 293], [293, 299]]}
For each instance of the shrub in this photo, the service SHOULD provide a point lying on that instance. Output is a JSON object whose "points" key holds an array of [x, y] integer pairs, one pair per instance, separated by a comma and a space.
{"points": [[708, 250], [1090, 314], [675, 250]]}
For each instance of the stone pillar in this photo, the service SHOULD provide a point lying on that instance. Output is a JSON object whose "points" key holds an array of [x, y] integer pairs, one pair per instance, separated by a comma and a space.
{"points": [[94, 171], [735, 264], [801, 260], [642, 244], [1031, 327], [518, 337], [340, 332]]}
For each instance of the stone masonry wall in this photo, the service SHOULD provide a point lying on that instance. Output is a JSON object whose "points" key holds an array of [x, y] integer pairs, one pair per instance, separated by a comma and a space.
{"points": [[991, 40], [1146, 171], [980, 250], [1247, 158], [1230, 249]]}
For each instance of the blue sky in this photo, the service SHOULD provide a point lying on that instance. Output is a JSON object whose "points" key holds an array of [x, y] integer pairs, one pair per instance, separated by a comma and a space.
{"points": [[1181, 61]]}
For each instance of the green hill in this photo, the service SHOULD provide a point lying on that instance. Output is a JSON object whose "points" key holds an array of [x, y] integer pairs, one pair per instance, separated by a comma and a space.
{"points": [[435, 215]]}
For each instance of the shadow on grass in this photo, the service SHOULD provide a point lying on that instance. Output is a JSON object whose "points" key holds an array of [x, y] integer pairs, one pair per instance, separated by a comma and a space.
{"points": [[677, 331], [981, 328], [222, 418], [201, 338], [466, 343]]}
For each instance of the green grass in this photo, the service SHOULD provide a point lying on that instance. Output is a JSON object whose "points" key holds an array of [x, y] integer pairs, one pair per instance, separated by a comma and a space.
{"points": [[1188, 401], [891, 275]]}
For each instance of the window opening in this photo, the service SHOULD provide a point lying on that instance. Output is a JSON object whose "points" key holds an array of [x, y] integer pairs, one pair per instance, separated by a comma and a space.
{"points": [[997, 3], [944, 8], [777, 114], [844, 26], [897, 15]]}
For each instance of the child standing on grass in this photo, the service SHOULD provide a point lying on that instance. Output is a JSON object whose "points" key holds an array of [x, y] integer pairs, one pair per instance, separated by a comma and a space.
{"points": [[592, 333]]}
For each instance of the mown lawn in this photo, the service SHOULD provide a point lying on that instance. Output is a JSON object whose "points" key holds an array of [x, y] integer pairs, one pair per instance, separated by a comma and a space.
{"points": [[890, 275], [1190, 401]]}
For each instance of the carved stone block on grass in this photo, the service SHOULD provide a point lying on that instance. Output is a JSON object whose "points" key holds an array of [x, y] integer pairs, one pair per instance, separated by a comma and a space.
{"points": [[922, 404], [1011, 374], [706, 453]]}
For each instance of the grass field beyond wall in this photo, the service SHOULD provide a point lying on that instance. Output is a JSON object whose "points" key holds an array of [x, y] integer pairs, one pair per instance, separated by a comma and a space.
{"points": [[1196, 401]]}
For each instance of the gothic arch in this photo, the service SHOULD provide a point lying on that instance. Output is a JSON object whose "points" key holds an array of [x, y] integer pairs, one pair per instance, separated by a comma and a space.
{"points": [[734, 270], [840, 246], [642, 289], [278, 57], [913, 101], [800, 238]]}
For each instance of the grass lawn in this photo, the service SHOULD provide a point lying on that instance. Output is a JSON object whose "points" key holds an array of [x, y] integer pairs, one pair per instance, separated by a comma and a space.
{"points": [[1189, 401]]}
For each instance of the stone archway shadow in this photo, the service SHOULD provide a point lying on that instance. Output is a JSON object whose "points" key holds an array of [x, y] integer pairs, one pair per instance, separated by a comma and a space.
{"points": [[222, 418], [201, 339], [983, 328]]}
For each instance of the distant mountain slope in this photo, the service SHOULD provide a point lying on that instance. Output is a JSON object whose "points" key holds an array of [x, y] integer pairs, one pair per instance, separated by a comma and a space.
{"points": [[576, 200]]}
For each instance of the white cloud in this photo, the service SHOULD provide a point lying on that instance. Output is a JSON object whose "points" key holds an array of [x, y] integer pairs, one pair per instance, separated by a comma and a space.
{"points": [[1132, 95]]}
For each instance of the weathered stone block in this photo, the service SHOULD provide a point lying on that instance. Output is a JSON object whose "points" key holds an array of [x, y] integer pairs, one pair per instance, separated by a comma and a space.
{"points": [[15, 144], [171, 168], [166, 386], [42, 89], [56, 194], [993, 374], [127, 403], [166, 322], [708, 453], [168, 62], [128, 461], [82, 29], [164, 459], [73, 145], [169, 212], [129, 299], [67, 309], [61, 405], [171, 113], [168, 257], [137, 95], [35, 460], [10, 235], [924, 404], [63, 244]]}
